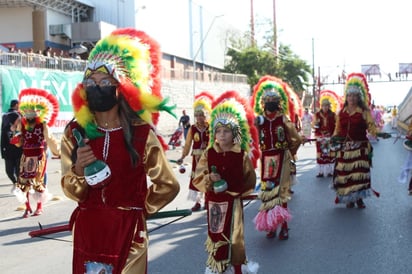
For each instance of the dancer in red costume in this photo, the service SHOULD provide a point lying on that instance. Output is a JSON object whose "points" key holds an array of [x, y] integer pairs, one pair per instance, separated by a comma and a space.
{"points": [[279, 142], [352, 176], [39, 109], [324, 125], [116, 108], [225, 172], [197, 140]]}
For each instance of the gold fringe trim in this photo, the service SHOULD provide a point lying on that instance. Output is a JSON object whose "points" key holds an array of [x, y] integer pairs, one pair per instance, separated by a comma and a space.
{"points": [[348, 190], [276, 196], [358, 176], [269, 195], [351, 154], [211, 248], [351, 166]]}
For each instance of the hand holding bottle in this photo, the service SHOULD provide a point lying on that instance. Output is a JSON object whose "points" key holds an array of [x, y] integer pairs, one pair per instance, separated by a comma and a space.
{"points": [[219, 184], [96, 172]]}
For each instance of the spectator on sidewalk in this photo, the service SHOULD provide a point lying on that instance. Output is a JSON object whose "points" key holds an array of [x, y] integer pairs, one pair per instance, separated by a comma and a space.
{"points": [[184, 122], [394, 121], [9, 152]]}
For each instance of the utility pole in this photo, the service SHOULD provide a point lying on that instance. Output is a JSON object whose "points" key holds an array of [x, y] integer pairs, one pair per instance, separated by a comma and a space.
{"points": [[252, 25], [275, 34], [313, 75]]}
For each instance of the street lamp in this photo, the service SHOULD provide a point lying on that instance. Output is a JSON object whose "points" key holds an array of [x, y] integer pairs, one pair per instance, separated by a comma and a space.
{"points": [[198, 51]]}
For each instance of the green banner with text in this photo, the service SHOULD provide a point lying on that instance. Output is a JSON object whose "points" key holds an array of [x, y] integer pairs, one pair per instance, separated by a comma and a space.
{"points": [[59, 83]]}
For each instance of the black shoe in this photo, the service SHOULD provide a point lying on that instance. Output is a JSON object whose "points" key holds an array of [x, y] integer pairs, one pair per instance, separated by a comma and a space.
{"points": [[320, 175], [350, 205], [360, 204]]}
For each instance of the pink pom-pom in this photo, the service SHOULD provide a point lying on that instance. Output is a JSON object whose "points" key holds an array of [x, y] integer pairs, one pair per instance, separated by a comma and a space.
{"points": [[276, 216], [260, 221]]}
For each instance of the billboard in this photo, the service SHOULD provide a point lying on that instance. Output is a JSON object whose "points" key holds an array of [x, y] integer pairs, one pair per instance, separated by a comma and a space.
{"points": [[371, 69], [405, 68], [59, 83]]}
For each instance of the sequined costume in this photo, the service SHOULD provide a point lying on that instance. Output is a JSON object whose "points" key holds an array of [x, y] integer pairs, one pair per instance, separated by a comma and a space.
{"points": [[121, 207]]}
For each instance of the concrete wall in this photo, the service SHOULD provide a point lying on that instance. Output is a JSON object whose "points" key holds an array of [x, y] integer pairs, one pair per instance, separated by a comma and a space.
{"points": [[181, 95]]}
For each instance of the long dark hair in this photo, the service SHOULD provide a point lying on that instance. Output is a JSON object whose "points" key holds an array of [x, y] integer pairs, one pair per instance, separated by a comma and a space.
{"points": [[127, 118]]}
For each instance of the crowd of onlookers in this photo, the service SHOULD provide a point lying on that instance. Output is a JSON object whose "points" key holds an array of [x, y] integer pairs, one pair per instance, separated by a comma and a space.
{"points": [[47, 58]]}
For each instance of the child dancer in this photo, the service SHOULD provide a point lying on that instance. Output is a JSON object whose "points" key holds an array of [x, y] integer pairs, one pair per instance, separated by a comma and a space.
{"points": [[226, 163]]}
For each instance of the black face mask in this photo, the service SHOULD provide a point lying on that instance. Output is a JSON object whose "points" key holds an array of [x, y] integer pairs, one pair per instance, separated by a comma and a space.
{"points": [[271, 106], [101, 98]]}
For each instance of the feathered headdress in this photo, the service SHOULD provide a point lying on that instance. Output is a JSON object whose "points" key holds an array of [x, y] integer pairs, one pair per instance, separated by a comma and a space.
{"points": [[334, 100], [203, 103], [39, 104], [232, 110], [133, 59], [270, 87], [356, 82], [297, 105]]}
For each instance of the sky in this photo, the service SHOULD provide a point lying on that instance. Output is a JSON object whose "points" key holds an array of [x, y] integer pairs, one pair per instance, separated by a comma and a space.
{"points": [[337, 35]]}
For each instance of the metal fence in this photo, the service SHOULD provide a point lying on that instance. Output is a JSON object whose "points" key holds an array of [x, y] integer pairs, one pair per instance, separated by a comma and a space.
{"points": [[34, 60]]}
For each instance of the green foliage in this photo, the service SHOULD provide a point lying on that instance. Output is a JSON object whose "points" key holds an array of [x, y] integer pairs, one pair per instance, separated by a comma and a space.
{"points": [[256, 62]]}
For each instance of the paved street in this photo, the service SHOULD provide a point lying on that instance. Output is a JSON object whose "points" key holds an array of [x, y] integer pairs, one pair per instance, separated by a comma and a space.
{"points": [[324, 237]]}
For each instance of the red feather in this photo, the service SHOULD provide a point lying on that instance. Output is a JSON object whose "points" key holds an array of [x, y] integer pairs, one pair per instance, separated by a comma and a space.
{"points": [[48, 98], [205, 94], [254, 146], [155, 56]]}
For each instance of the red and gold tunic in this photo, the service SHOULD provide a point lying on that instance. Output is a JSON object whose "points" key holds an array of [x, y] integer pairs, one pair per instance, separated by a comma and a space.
{"points": [[225, 243], [279, 142], [352, 178], [197, 139], [324, 124], [34, 140], [109, 224]]}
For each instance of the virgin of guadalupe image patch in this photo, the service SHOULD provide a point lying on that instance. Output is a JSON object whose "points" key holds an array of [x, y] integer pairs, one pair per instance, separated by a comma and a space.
{"points": [[217, 216]]}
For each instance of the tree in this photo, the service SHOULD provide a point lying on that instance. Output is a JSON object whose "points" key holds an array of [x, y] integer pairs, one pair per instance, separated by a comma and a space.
{"points": [[256, 62]]}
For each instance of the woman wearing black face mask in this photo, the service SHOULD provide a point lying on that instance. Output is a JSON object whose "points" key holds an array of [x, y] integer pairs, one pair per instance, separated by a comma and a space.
{"points": [[279, 142], [113, 108]]}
